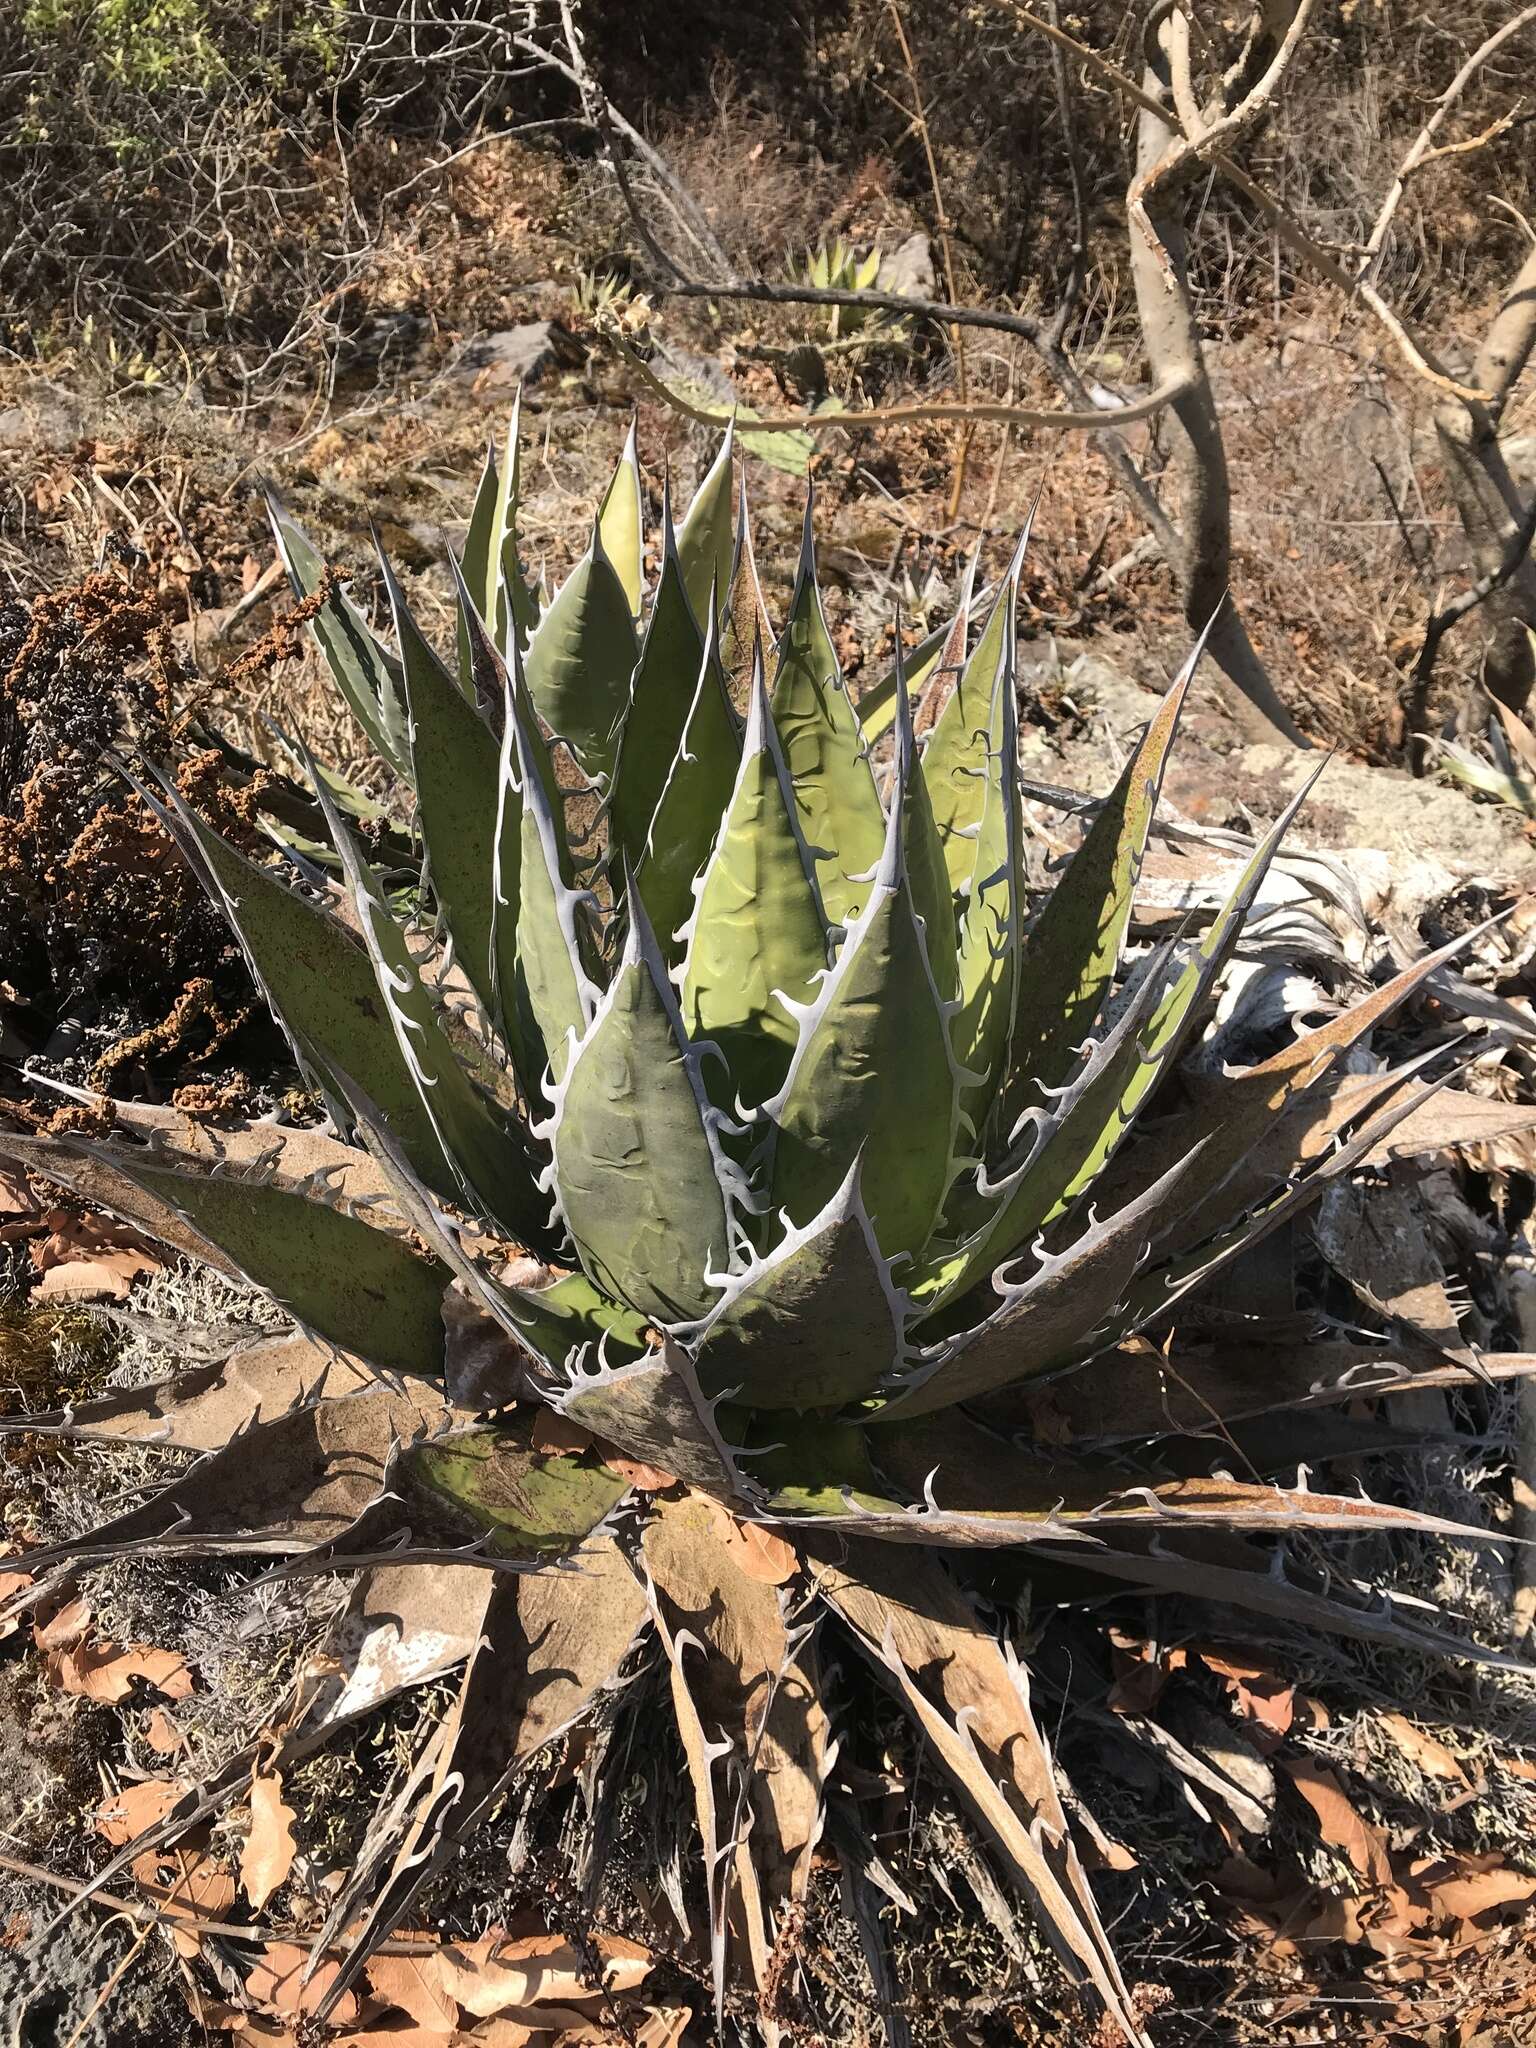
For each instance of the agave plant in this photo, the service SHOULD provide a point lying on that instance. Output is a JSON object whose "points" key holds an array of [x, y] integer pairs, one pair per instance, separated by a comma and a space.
{"points": [[725, 1137], [835, 267]]}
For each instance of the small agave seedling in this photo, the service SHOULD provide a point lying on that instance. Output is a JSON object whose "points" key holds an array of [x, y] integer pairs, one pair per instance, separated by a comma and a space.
{"points": [[698, 1193], [836, 267]]}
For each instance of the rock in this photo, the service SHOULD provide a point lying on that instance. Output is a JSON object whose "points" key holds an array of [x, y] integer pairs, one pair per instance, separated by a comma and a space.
{"points": [[908, 269], [1358, 807], [45, 416], [493, 365]]}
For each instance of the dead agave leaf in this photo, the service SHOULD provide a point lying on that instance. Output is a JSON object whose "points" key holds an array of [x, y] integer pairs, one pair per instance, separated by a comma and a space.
{"points": [[1361, 1844], [276, 1980], [267, 1856], [133, 1808], [535, 1972]]}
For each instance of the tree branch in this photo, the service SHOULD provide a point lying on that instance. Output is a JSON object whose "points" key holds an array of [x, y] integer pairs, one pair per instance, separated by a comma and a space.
{"points": [[902, 415], [760, 291], [1421, 151]]}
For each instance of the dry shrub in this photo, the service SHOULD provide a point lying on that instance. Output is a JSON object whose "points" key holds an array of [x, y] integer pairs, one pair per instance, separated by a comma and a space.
{"points": [[102, 928]]}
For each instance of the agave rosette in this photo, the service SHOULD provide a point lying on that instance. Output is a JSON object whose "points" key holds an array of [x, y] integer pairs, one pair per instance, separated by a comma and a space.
{"points": [[734, 1159]]}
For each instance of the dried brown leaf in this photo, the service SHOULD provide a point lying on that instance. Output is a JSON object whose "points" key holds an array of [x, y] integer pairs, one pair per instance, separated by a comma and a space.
{"points": [[276, 1981], [267, 1856], [414, 1984], [1362, 1845], [1259, 1695], [161, 1733], [1421, 1749], [538, 1974], [760, 1553], [108, 1276], [1477, 1885], [63, 1627], [107, 1671], [133, 1808], [187, 1885]]}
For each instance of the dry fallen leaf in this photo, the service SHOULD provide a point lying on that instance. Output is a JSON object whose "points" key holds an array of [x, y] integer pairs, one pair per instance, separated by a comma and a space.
{"points": [[267, 1856], [1340, 1826], [1261, 1697], [415, 1985], [557, 1433], [276, 1980], [537, 1974], [133, 1808], [61, 1628], [186, 1885], [161, 1733], [1477, 1885], [106, 1671], [109, 1276], [759, 1552], [1431, 1757], [88, 1258], [12, 1582], [648, 1478]]}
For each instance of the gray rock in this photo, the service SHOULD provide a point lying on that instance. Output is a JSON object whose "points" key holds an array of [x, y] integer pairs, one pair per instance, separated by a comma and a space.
{"points": [[493, 365], [908, 269]]}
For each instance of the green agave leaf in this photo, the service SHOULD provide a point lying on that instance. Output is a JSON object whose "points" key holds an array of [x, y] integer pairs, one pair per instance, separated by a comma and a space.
{"points": [[488, 1155], [553, 1323], [758, 927], [745, 627], [1058, 1310], [479, 566], [661, 694], [621, 523], [366, 674], [816, 1323], [696, 793], [489, 566], [938, 654], [1073, 950], [706, 541], [840, 815], [959, 758], [544, 958], [453, 757], [529, 1503], [318, 981], [581, 658], [1076, 1137], [643, 1185], [924, 853], [872, 1069], [361, 1288], [988, 969]]}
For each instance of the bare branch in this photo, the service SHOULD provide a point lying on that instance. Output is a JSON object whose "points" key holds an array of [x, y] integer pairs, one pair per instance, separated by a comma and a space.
{"points": [[902, 415], [761, 292], [1517, 547], [1422, 149]]}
